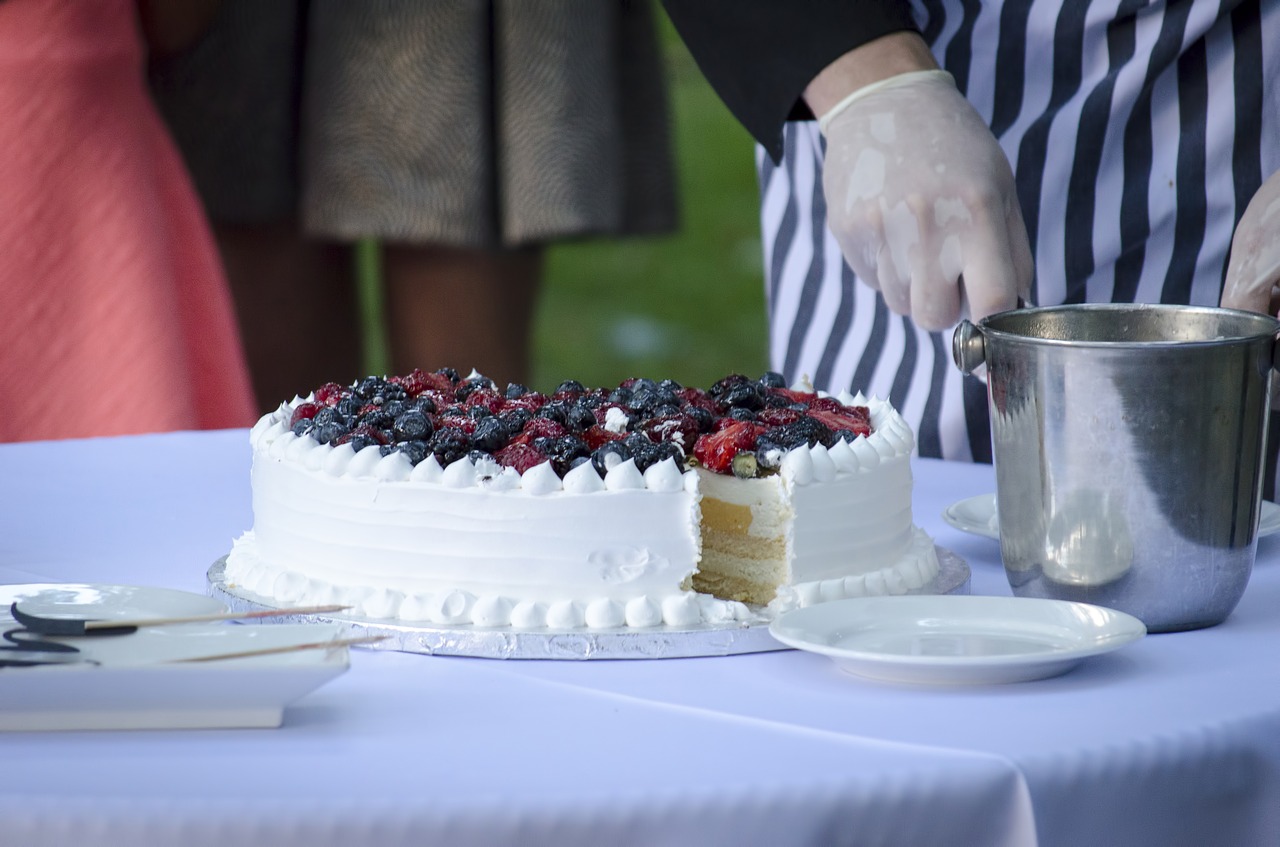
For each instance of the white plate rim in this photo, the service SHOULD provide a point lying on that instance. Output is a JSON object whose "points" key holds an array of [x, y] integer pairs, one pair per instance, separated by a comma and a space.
{"points": [[958, 516], [117, 602], [790, 629]]}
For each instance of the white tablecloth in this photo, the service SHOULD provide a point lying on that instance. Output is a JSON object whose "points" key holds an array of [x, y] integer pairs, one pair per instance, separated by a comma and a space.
{"points": [[1174, 740]]}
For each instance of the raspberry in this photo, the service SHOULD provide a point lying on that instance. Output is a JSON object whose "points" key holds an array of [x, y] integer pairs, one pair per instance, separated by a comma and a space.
{"points": [[329, 394], [417, 382], [541, 428], [519, 456], [696, 397], [681, 430], [779, 417], [304, 412], [597, 436], [487, 398]]}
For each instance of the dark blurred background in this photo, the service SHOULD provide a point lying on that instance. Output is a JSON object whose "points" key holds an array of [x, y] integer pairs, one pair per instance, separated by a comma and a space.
{"points": [[689, 306]]}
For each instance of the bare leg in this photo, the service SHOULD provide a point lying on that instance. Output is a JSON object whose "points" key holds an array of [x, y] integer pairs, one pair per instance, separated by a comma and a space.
{"points": [[296, 301], [460, 308]]}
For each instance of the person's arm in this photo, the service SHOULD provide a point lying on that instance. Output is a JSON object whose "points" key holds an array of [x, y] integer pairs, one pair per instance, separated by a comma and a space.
{"points": [[761, 55], [1253, 272]]}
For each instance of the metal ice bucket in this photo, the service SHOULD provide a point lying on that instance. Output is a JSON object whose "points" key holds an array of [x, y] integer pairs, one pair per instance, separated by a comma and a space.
{"points": [[1129, 452]]}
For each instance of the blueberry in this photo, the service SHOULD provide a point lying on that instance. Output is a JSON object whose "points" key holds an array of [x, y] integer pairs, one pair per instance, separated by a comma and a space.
{"points": [[668, 450], [388, 393], [450, 374], [744, 465], [491, 434], [704, 419], [773, 379], [556, 410], [415, 451], [579, 418], [740, 414], [515, 389], [449, 445], [806, 431], [478, 412], [367, 388], [386, 449], [515, 419], [606, 456], [424, 403], [746, 395], [723, 385], [326, 415], [378, 419], [329, 432], [394, 408], [412, 425], [302, 427], [571, 385], [620, 396], [644, 399], [359, 442], [471, 385], [348, 406], [644, 451], [670, 385]]}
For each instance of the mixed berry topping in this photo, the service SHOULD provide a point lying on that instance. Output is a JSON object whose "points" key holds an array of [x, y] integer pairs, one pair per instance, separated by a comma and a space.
{"points": [[739, 426]]}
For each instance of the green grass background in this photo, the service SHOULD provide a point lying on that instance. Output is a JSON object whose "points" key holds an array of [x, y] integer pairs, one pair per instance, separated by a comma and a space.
{"points": [[689, 306]]}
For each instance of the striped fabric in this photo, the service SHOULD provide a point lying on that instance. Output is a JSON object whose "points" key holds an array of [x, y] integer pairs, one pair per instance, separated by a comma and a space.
{"points": [[1138, 132]]}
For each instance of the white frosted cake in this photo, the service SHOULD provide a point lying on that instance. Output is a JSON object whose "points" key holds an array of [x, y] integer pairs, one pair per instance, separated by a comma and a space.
{"points": [[438, 499]]}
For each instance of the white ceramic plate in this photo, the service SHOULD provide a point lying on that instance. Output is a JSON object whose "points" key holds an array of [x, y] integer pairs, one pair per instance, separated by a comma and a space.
{"points": [[956, 639], [106, 602], [138, 682], [978, 516]]}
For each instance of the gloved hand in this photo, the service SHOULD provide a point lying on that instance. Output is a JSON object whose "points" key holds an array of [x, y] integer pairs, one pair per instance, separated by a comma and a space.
{"points": [[1253, 271], [922, 201]]}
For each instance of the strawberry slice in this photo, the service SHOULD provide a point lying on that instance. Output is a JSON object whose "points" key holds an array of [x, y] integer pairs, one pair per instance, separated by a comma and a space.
{"points": [[715, 450], [847, 420], [598, 436]]}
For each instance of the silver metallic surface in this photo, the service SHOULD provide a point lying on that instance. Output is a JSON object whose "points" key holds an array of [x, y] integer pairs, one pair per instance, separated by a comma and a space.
{"points": [[1129, 452], [663, 642]]}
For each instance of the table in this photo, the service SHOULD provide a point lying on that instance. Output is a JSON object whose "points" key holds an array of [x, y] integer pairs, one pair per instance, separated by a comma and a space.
{"points": [[1173, 740]]}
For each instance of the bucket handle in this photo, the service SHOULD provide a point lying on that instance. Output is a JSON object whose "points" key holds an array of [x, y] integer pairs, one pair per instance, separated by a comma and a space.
{"points": [[969, 347]]}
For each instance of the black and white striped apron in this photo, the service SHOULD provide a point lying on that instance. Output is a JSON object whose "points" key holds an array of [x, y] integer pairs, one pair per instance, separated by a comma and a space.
{"points": [[1138, 132]]}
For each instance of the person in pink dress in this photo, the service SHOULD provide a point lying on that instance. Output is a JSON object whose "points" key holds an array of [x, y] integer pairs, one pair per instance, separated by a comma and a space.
{"points": [[117, 317]]}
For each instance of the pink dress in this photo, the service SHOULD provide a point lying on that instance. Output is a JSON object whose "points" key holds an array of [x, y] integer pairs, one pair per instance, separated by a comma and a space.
{"points": [[115, 316]]}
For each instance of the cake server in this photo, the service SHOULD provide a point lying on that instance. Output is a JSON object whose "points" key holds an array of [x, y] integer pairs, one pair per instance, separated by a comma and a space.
{"points": [[79, 626]]}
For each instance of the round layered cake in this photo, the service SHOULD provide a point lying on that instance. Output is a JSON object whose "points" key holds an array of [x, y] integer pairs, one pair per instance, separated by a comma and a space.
{"points": [[437, 498]]}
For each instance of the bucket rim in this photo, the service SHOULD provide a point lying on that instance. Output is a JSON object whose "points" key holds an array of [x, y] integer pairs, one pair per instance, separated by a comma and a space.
{"points": [[1269, 333]]}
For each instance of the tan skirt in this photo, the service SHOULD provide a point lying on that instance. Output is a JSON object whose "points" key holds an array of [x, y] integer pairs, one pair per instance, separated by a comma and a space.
{"points": [[476, 123]]}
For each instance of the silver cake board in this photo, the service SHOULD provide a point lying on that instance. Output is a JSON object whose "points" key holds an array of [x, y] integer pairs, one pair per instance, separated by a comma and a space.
{"points": [[659, 642]]}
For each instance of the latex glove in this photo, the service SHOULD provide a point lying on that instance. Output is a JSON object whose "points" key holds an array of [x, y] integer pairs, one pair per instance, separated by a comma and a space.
{"points": [[1253, 271], [922, 201]]}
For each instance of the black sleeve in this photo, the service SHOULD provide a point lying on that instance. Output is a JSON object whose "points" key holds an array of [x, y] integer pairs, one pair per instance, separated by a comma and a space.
{"points": [[760, 54]]}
